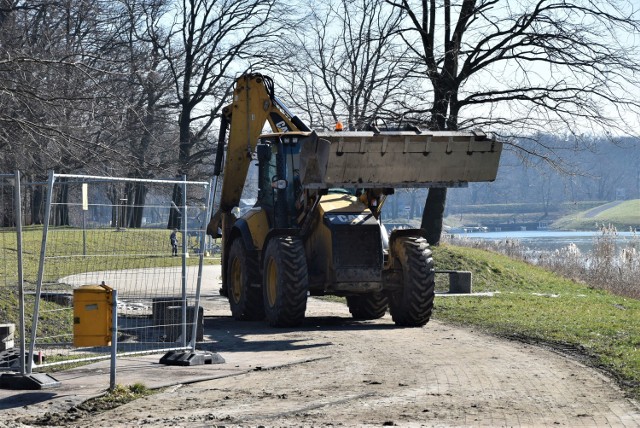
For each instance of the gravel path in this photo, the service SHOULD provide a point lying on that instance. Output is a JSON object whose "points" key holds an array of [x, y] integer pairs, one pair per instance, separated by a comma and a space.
{"points": [[372, 373], [336, 371]]}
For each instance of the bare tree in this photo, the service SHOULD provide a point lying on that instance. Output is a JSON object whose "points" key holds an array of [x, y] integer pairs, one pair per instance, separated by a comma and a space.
{"points": [[80, 90], [85, 85], [524, 66], [143, 87], [44, 89], [347, 64], [204, 47]]}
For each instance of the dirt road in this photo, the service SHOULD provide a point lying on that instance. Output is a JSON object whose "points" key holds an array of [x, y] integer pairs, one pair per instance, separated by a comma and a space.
{"points": [[370, 373]]}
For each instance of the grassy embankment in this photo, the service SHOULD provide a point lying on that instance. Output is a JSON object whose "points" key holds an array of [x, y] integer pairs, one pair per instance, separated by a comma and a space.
{"points": [[623, 216], [535, 305]]}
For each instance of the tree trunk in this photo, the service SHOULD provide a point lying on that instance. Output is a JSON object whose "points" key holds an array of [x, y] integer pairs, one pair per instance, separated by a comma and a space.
{"points": [[37, 203], [175, 214], [113, 198], [412, 211], [433, 214], [61, 209], [139, 199], [6, 212], [396, 202]]}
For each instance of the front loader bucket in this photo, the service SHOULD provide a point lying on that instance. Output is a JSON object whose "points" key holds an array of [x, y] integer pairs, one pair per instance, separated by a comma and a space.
{"points": [[397, 159]]}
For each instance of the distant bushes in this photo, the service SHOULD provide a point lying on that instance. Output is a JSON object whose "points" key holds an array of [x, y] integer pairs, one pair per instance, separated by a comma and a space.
{"points": [[608, 266]]}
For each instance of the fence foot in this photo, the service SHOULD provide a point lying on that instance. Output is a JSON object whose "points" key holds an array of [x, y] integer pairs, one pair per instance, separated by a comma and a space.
{"points": [[191, 358], [30, 382]]}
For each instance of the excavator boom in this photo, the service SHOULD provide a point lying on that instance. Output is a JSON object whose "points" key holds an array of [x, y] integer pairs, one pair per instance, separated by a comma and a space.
{"points": [[254, 105]]}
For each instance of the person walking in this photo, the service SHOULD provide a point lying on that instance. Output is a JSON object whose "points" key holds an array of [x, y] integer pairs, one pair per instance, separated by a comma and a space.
{"points": [[174, 242]]}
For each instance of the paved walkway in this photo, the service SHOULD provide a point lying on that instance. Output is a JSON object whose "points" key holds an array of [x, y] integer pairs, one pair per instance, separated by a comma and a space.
{"points": [[597, 210]]}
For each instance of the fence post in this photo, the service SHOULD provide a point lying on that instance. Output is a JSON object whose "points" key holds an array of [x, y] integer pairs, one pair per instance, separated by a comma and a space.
{"points": [[18, 219], [114, 338], [43, 248], [203, 237], [185, 250]]}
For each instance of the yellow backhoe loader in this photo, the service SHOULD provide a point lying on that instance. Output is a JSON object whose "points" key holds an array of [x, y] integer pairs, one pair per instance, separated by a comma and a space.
{"points": [[315, 227]]}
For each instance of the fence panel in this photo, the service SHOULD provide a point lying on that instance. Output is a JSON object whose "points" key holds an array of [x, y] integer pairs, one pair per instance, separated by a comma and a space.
{"points": [[117, 231], [9, 307]]}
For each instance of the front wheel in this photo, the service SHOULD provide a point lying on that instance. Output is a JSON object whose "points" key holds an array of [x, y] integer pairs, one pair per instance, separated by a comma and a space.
{"points": [[285, 282], [412, 304], [242, 271]]}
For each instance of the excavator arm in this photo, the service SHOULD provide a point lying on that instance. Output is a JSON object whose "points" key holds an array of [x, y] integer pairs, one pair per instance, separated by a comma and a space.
{"points": [[254, 104]]}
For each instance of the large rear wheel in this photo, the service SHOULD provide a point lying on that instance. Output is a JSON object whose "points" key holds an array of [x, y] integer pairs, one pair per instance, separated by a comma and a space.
{"points": [[285, 281], [245, 300], [367, 306], [412, 304]]}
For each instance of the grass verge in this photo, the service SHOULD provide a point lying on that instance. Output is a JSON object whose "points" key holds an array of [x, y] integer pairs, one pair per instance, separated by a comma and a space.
{"points": [[535, 305], [110, 400], [118, 396]]}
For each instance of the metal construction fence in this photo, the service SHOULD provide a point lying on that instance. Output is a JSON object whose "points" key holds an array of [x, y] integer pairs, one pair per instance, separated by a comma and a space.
{"points": [[11, 273], [112, 231]]}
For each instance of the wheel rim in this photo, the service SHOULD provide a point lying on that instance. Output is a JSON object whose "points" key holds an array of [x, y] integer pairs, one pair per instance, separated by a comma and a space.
{"points": [[272, 288], [236, 280]]}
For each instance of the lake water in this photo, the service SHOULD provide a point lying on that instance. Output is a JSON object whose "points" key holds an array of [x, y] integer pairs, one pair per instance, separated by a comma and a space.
{"points": [[542, 240]]}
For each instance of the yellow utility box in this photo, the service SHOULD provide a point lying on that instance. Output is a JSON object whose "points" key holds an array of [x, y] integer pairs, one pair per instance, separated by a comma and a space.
{"points": [[92, 305]]}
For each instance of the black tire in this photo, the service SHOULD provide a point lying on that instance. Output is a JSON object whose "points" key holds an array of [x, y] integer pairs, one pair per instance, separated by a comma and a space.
{"points": [[368, 306], [412, 305], [285, 282], [242, 271]]}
